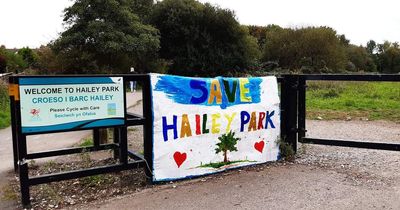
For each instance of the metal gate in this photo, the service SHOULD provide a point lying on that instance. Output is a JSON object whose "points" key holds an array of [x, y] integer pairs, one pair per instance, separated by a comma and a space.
{"points": [[296, 100], [293, 129]]}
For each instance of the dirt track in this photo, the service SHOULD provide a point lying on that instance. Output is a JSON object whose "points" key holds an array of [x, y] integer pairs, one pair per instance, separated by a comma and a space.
{"points": [[322, 177]]}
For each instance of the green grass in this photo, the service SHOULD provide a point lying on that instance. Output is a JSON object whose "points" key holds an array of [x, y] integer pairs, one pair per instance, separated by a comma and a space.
{"points": [[86, 142], [5, 116], [220, 164], [341, 100]]}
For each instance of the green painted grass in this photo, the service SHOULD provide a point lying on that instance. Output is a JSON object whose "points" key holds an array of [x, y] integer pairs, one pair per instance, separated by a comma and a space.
{"points": [[220, 164], [340, 100]]}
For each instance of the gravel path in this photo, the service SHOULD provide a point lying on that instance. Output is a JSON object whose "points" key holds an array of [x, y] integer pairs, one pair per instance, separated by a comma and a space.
{"points": [[374, 131], [361, 166]]}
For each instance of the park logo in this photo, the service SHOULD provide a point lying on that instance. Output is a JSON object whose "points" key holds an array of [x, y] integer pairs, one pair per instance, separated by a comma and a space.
{"points": [[112, 109], [35, 115]]}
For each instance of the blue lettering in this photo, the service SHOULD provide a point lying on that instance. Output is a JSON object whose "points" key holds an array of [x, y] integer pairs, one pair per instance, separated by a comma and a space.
{"points": [[269, 120], [244, 119], [200, 85], [167, 127]]}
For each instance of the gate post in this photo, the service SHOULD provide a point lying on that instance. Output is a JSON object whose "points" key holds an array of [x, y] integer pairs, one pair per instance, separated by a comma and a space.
{"points": [[13, 88], [96, 137], [302, 109], [116, 140], [289, 103], [23, 171], [148, 127]]}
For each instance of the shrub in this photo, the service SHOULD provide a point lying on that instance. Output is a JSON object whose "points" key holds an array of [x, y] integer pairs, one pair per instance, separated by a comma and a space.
{"points": [[5, 117]]}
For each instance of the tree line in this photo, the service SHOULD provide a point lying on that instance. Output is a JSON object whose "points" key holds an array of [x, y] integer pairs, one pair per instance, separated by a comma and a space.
{"points": [[186, 37]]}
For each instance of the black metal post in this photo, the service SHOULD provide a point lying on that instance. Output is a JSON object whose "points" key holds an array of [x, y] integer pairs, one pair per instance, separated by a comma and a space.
{"points": [[14, 132], [116, 139], [148, 127], [23, 171], [96, 137], [289, 100], [22, 159], [123, 145], [302, 109], [283, 106]]}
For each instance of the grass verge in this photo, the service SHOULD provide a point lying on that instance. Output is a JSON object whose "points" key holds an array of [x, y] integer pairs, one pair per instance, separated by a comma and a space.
{"points": [[5, 116], [349, 100]]}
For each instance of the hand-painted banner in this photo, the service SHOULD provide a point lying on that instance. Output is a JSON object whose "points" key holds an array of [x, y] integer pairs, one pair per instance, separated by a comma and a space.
{"points": [[70, 103], [207, 125]]}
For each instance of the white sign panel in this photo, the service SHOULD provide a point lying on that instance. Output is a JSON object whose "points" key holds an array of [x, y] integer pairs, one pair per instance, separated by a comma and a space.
{"points": [[70, 103], [207, 125]]}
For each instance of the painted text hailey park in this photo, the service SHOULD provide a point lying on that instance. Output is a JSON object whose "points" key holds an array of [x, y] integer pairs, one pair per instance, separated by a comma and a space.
{"points": [[216, 92]]}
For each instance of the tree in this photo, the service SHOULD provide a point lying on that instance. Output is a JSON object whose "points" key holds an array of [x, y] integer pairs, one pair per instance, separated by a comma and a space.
{"points": [[48, 61], [343, 40], [29, 56], [142, 8], [201, 39], [317, 48], [362, 60], [260, 33], [3, 64], [227, 143], [105, 35], [388, 57], [14, 61], [371, 47]]}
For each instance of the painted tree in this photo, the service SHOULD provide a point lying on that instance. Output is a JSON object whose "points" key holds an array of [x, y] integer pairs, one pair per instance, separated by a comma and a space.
{"points": [[227, 143]]}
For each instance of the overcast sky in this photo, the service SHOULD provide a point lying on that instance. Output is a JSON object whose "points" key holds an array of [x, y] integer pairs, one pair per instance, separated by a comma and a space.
{"points": [[36, 22]]}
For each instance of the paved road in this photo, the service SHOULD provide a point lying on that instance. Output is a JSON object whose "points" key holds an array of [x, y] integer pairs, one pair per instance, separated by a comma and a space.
{"points": [[38, 143]]}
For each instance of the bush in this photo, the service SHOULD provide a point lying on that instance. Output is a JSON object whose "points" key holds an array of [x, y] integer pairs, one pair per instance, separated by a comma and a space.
{"points": [[14, 61], [5, 116], [3, 64], [286, 150]]}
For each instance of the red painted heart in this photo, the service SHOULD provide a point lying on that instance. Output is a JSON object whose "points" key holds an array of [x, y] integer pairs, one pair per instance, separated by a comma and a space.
{"points": [[259, 146], [179, 158]]}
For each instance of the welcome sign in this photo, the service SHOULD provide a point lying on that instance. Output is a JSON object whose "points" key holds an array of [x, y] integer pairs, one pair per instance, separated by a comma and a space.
{"points": [[69, 103], [207, 125]]}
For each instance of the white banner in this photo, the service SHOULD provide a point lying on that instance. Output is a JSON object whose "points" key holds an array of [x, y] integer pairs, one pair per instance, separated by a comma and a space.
{"points": [[206, 125]]}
